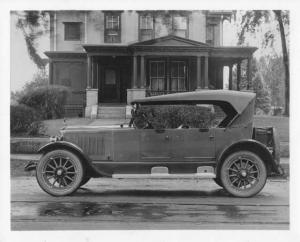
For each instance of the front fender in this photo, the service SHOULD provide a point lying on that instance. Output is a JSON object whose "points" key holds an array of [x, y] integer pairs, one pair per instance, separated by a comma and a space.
{"points": [[76, 150], [253, 146]]}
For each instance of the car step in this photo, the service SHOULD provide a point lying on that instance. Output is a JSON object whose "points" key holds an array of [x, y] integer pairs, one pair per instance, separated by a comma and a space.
{"points": [[162, 173]]}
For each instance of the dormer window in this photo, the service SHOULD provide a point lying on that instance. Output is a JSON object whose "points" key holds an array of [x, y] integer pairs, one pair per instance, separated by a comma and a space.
{"points": [[146, 30], [180, 26], [112, 27], [72, 31], [210, 34]]}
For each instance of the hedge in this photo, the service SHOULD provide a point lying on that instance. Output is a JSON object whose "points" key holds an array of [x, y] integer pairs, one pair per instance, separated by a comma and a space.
{"points": [[48, 101], [25, 120]]}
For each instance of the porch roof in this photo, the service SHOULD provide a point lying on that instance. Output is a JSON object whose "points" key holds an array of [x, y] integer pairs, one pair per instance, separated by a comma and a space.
{"points": [[168, 46]]}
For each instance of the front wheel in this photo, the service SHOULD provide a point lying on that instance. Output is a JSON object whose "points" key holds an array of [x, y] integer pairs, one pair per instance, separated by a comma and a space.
{"points": [[59, 173], [85, 180], [243, 174], [218, 181]]}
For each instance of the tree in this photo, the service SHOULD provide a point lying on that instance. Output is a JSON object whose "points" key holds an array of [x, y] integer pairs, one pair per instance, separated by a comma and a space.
{"points": [[40, 79], [263, 100], [257, 84], [250, 22], [33, 25], [272, 72]]}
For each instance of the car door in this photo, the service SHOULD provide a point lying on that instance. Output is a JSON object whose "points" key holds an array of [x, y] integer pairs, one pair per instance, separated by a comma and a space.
{"points": [[199, 144], [155, 145]]}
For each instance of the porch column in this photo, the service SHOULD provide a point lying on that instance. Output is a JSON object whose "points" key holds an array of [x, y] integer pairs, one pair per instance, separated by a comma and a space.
{"points": [[91, 94], [238, 75], [230, 77], [89, 72], [136, 92], [199, 86], [143, 83], [50, 71], [134, 72], [206, 72], [248, 72]]}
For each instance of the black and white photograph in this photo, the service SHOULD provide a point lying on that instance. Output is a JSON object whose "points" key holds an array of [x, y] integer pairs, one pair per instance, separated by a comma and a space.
{"points": [[170, 119]]}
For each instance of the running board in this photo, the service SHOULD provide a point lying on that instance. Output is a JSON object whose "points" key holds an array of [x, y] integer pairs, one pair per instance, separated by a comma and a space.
{"points": [[167, 176], [162, 172]]}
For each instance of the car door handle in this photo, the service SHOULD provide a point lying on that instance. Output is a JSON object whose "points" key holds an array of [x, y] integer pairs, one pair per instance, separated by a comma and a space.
{"points": [[211, 136]]}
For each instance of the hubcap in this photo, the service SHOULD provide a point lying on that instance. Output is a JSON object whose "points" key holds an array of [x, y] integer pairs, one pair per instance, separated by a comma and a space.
{"points": [[243, 173], [59, 172]]}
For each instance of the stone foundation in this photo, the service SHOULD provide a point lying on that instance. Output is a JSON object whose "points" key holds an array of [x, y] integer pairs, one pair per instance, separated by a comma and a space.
{"points": [[135, 93], [91, 103]]}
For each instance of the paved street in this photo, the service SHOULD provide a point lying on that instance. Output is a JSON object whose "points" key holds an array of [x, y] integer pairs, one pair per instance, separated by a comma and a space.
{"points": [[148, 204]]}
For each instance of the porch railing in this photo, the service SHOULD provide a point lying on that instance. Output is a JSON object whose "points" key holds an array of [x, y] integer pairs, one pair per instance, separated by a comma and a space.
{"points": [[151, 93], [76, 104]]}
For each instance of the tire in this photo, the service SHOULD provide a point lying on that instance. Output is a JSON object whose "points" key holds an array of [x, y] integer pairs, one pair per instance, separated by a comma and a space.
{"points": [[243, 174], [59, 173], [218, 181], [85, 180]]}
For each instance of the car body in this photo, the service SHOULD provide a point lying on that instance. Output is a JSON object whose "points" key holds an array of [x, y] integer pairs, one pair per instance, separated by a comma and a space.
{"points": [[232, 149]]}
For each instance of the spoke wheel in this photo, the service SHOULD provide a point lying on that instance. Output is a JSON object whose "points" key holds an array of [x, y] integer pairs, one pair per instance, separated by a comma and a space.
{"points": [[243, 174], [59, 173]]}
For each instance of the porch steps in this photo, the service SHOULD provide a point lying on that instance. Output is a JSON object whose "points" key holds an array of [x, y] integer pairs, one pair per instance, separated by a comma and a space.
{"points": [[111, 112]]}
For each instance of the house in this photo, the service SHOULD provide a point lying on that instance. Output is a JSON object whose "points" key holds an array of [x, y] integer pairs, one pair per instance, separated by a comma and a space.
{"points": [[109, 58]]}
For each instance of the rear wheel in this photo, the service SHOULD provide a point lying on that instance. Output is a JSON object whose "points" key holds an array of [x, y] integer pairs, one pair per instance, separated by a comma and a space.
{"points": [[243, 174], [59, 173]]}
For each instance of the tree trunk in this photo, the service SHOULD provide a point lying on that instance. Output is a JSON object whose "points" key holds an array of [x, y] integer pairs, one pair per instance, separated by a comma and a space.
{"points": [[285, 62]]}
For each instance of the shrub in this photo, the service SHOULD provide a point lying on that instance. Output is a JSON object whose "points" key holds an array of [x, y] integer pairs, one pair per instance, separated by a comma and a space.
{"points": [[172, 116], [39, 79], [25, 120], [48, 101]]}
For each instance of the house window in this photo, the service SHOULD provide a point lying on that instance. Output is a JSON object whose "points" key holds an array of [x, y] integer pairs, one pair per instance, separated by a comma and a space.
{"points": [[178, 73], [72, 31], [112, 33], [146, 27], [157, 75], [180, 26], [210, 35]]}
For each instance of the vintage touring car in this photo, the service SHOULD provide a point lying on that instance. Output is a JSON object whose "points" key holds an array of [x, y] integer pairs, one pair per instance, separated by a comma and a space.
{"points": [[238, 156]]}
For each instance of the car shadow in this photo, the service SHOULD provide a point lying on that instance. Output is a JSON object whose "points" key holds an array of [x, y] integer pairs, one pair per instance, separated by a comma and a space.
{"points": [[152, 193]]}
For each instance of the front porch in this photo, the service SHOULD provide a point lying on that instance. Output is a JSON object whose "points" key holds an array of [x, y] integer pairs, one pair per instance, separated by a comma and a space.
{"points": [[120, 74], [117, 74]]}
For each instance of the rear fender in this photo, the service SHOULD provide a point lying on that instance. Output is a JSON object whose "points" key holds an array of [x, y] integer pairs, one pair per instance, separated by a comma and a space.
{"points": [[77, 151], [253, 146]]}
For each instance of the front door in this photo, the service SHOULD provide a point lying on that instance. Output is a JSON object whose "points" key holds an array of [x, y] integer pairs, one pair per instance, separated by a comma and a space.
{"points": [[110, 91]]}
